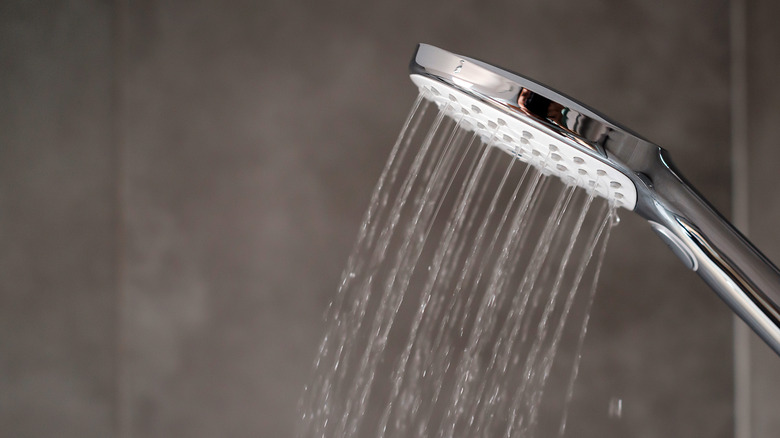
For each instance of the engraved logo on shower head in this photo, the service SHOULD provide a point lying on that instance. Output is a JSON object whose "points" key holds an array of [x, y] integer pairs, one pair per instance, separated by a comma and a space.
{"points": [[459, 67]]}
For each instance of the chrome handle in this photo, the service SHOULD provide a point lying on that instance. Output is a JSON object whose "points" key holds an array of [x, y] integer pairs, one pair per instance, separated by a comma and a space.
{"points": [[708, 244]]}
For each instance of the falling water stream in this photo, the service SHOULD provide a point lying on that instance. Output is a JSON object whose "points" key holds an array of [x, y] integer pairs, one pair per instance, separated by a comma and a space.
{"points": [[460, 289]]}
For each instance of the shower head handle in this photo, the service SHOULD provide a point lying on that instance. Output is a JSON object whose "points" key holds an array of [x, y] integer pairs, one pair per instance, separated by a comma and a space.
{"points": [[712, 247]]}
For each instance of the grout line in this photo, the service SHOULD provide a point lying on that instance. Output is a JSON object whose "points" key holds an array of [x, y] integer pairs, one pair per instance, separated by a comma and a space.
{"points": [[740, 204], [739, 109], [119, 43]]}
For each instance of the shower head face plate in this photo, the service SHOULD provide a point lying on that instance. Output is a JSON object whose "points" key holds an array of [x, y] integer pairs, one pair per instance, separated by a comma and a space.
{"points": [[532, 122], [551, 154]]}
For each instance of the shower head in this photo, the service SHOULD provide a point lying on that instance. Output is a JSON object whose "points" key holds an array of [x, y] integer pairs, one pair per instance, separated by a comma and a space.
{"points": [[565, 138]]}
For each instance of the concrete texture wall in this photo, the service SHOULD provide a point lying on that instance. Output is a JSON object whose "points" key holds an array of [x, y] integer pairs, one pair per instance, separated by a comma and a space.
{"points": [[182, 183], [58, 220]]}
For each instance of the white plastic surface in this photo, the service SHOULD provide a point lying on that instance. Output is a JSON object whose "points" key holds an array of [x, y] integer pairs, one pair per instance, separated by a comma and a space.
{"points": [[550, 153]]}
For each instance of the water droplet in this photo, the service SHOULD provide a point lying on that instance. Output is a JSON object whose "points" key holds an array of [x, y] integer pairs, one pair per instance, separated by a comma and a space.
{"points": [[615, 409]]}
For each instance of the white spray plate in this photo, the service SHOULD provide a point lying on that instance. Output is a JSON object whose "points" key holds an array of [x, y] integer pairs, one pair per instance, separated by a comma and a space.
{"points": [[552, 154]]}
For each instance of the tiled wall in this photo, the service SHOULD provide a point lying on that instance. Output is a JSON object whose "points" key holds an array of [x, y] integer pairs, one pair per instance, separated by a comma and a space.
{"points": [[182, 183], [762, 39]]}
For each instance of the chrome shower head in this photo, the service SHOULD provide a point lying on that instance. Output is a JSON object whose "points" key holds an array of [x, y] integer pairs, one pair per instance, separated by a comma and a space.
{"points": [[563, 137]]}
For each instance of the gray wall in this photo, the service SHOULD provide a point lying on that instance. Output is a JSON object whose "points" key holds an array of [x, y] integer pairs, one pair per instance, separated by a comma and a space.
{"points": [[58, 221], [762, 176], [181, 183]]}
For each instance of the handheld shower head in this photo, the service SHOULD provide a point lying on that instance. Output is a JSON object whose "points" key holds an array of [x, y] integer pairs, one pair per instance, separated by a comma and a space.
{"points": [[563, 137]]}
